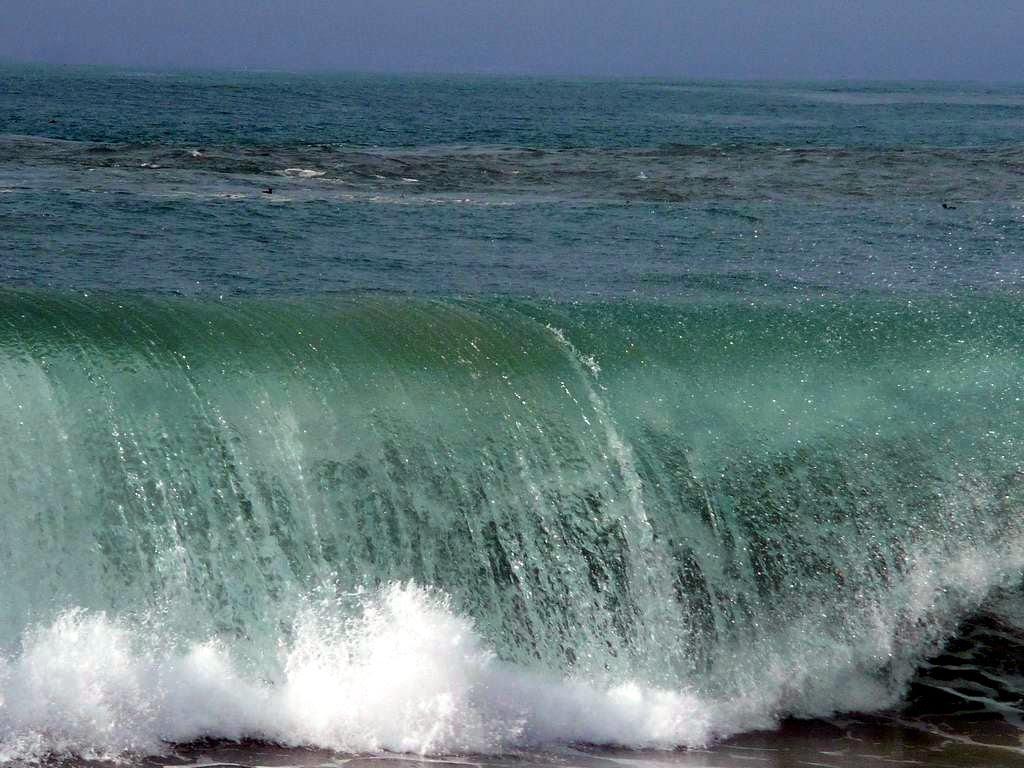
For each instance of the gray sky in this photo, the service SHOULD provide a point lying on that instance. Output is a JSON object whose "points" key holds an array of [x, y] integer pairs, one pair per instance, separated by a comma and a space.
{"points": [[940, 39]]}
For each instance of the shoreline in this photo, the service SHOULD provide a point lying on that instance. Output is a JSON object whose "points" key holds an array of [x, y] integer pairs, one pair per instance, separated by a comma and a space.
{"points": [[842, 742]]}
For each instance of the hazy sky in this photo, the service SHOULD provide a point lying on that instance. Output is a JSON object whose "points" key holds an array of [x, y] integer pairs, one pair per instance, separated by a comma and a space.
{"points": [[943, 39]]}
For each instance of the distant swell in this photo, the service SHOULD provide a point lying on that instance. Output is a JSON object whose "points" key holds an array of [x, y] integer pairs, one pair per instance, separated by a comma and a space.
{"points": [[433, 526]]}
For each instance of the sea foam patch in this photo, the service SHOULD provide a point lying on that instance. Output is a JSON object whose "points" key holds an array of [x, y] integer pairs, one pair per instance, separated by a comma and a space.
{"points": [[303, 173]]}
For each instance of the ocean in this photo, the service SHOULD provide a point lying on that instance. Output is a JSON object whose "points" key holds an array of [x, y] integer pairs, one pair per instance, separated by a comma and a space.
{"points": [[509, 421]]}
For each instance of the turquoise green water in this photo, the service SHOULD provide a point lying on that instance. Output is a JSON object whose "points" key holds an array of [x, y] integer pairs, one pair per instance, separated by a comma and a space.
{"points": [[754, 505]]}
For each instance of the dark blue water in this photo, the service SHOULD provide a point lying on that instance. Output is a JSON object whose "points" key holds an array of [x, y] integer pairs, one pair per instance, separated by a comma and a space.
{"points": [[153, 181]]}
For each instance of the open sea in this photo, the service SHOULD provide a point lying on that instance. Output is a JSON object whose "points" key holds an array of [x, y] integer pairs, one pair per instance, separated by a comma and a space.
{"points": [[370, 420]]}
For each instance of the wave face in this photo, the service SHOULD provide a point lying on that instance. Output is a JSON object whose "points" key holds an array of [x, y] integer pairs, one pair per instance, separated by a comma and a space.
{"points": [[449, 525]]}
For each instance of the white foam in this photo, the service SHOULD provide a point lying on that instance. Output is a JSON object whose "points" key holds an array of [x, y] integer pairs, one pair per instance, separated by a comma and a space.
{"points": [[407, 674], [303, 173]]}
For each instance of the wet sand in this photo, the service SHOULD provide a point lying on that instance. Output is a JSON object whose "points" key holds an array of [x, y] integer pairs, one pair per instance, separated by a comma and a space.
{"points": [[837, 743]]}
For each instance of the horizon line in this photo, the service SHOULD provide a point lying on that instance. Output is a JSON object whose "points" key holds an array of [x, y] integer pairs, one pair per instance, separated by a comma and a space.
{"points": [[496, 73]]}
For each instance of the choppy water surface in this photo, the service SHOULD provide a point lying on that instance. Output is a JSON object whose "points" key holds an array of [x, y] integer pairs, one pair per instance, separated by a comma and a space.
{"points": [[503, 417]]}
